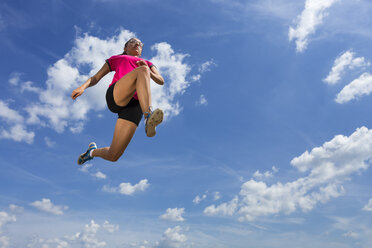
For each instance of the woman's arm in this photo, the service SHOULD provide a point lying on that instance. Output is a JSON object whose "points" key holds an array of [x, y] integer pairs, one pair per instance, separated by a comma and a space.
{"points": [[155, 75], [91, 81]]}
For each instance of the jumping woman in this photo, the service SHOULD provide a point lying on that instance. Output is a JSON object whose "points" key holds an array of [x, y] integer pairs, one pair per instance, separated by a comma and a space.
{"points": [[128, 95]]}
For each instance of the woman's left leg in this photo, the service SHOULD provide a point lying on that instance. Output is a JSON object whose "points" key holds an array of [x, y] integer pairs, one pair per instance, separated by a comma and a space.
{"points": [[124, 131]]}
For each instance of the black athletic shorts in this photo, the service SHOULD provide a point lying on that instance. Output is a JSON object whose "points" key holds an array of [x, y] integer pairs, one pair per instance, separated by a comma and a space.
{"points": [[131, 112]]}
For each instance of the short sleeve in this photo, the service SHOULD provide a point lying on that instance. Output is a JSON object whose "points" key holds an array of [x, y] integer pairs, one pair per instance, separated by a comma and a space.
{"points": [[149, 63], [111, 62]]}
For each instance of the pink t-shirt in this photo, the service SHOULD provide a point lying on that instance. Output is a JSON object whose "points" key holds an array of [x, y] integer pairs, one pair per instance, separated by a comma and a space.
{"points": [[123, 64]]}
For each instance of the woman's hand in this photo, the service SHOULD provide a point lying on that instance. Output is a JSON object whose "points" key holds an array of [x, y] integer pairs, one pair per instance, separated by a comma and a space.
{"points": [[77, 92], [141, 63]]}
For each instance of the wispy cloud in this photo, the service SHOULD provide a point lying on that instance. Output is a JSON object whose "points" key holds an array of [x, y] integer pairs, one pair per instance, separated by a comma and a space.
{"points": [[47, 206], [368, 206], [311, 17], [199, 199], [202, 101], [328, 167]]}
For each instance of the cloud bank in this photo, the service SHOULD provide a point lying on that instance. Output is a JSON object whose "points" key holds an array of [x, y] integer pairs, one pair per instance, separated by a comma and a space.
{"points": [[54, 107], [327, 167]]}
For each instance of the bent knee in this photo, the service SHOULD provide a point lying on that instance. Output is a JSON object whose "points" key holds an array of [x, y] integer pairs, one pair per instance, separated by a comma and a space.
{"points": [[114, 157]]}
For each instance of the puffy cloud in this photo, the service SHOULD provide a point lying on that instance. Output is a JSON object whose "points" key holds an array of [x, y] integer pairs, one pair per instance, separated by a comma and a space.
{"points": [[343, 62], [88, 238], [5, 218], [310, 18], [8, 114], [368, 207], [172, 238], [16, 127], [327, 166], [173, 214], [128, 188], [18, 133], [357, 88], [47, 206], [56, 110]]}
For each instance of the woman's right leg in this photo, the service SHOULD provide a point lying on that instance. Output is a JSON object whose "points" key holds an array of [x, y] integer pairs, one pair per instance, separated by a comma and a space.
{"points": [[136, 80], [124, 131]]}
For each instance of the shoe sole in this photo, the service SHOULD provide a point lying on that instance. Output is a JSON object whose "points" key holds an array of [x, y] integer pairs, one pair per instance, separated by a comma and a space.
{"points": [[155, 119]]}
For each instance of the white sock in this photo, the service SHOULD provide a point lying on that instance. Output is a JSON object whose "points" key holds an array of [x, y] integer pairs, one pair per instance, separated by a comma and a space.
{"points": [[91, 152]]}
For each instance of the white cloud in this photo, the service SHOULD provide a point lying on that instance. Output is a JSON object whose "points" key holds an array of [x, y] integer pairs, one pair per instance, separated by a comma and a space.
{"points": [[357, 88], [28, 86], [5, 218], [88, 237], [368, 207], [128, 188], [8, 114], [15, 208], [343, 62], [56, 110], [327, 166], [85, 168], [14, 79], [206, 66], [84, 239], [49, 142], [100, 175], [216, 196], [18, 133], [173, 214], [172, 238], [47, 206], [225, 209], [16, 128], [110, 227], [202, 101], [266, 174], [310, 18], [198, 199], [48, 243], [351, 234]]}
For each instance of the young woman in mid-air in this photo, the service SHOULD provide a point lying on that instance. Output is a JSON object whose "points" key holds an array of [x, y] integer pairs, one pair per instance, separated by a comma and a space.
{"points": [[129, 95]]}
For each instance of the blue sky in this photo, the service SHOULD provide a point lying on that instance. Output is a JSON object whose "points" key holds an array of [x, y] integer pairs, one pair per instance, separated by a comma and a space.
{"points": [[266, 141]]}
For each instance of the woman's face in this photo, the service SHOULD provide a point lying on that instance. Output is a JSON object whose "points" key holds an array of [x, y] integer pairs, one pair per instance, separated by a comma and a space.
{"points": [[134, 47]]}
